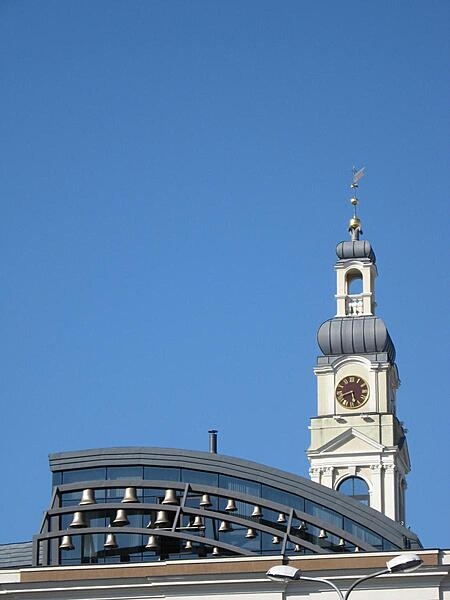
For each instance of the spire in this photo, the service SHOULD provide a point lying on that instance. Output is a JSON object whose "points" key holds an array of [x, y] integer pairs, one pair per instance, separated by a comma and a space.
{"points": [[354, 226]]}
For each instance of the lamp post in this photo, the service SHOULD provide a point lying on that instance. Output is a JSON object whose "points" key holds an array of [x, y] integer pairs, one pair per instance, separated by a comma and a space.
{"points": [[405, 563]]}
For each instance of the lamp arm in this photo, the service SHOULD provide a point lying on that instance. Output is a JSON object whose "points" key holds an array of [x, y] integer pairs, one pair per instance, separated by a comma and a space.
{"points": [[365, 578], [330, 583]]}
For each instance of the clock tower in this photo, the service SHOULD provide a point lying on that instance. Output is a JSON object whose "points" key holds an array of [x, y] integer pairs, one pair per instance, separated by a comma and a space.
{"points": [[358, 445]]}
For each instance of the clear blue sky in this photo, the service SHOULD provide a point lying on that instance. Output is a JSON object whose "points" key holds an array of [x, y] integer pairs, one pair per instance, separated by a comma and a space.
{"points": [[173, 182]]}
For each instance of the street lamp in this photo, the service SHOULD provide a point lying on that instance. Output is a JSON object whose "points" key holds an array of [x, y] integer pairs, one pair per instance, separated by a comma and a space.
{"points": [[405, 563]]}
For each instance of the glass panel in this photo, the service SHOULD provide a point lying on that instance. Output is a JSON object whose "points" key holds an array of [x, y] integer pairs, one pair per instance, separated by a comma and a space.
{"points": [[201, 477], [162, 473], [92, 546], [129, 542], [363, 533], [70, 498], [153, 495], [356, 488], [57, 478], [268, 545], [94, 474], [283, 497], [110, 556], [389, 545], [326, 514], [269, 517], [210, 530], [115, 494], [125, 472], [240, 485]]}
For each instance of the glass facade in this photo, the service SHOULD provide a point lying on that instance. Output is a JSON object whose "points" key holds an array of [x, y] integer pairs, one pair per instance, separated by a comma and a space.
{"points": [[133, 513]]}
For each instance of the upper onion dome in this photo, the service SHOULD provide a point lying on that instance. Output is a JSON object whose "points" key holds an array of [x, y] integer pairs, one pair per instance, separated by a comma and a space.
{"points": [[355, 249], [357, 335]]}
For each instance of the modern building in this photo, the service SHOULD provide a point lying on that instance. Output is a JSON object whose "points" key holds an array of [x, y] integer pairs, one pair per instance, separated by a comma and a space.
{"points": [[170, 523]]}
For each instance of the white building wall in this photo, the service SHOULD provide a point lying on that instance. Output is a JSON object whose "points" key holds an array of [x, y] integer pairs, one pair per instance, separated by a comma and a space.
{"points": [[230, 579]]}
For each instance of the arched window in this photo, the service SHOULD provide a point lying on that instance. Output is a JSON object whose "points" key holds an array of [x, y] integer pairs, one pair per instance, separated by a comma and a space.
{"points": [[354, 282], [355, 487]]}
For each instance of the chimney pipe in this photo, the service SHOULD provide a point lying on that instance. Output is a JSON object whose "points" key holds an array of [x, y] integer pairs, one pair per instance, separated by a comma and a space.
{"points": [[213, 441]]}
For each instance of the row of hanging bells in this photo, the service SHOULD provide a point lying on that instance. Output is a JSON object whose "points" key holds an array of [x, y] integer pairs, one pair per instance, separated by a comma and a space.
{"points": [[171, 498], [152, 544], [162, 519]]}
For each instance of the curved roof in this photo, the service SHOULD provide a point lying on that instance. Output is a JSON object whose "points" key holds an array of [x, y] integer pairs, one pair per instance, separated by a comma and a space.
{"points": [[200, 503], [355, 249], [355, 335]]}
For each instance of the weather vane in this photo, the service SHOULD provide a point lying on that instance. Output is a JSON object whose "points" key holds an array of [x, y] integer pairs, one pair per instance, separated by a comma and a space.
{"points": [[357, 175], [355, 223]]}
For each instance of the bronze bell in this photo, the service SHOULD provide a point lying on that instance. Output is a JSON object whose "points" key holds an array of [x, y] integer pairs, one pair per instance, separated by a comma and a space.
{"points": [[231, 505], [251, 533], [121, 518], [281, 518], [170, 497], [198, 523], [130, 495], [225, 527], [216, 551], [66, 543], [322, 534], [257, 512], [356, 549], [162, 519], [87, 497], [341, 542], [276, 540], [205, 501], [78, 520], [303, 526], [152, 543], [110, 542], [188, 545], [297, 548]]}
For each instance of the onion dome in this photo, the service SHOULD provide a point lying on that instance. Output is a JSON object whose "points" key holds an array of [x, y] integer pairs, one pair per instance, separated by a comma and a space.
{"points": [[356, 335], [355, 249]]}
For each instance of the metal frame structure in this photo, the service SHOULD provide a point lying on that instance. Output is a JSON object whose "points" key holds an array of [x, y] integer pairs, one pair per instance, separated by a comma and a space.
{"points": [[294, 531]]}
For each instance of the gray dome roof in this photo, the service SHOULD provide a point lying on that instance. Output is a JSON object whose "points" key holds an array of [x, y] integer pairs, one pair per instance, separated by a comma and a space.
{"points": [[356, 249], [355, 335]]}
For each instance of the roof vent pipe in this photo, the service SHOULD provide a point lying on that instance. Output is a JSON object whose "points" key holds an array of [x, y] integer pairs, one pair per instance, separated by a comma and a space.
{"points": [[213, 441]]}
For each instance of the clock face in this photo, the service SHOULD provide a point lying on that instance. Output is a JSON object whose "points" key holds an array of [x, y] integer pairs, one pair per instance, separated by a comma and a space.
{"points": [[352, 392]]}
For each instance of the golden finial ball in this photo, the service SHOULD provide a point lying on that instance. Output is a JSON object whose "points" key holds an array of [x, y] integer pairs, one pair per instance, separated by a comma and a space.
{"points": [[354, 201]]}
